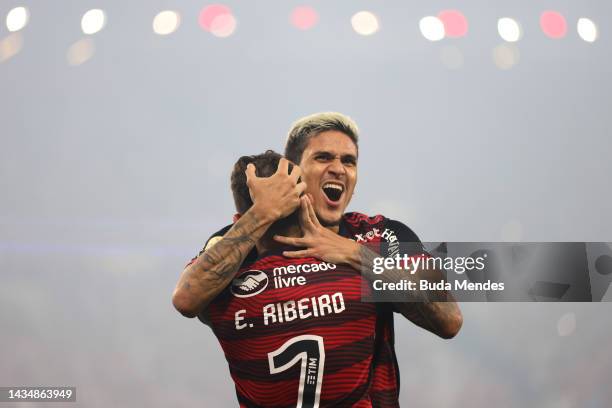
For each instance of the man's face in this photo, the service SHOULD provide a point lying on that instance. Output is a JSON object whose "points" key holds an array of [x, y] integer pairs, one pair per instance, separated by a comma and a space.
{"points": [[329, 168]]}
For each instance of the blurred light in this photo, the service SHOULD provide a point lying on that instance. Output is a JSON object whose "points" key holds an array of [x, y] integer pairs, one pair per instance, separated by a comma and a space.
{"points": [[10, 46], [166, 22], [432, 28], [587, 29], [223, 26], [93, 21], [17, 18], [210, 13], [553, 24], [509, 29], [218, 20], [566, 324], [455, 23], [365, 23], [80, 52], [451, 57], [505, 56], [304, 17]]}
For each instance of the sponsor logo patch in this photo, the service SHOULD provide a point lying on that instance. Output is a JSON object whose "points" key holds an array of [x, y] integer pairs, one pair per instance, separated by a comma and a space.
{"points": [[250, 283]]}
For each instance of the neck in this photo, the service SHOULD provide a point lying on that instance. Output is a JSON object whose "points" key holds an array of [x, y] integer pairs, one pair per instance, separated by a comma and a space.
{"points": [[267, 242]]}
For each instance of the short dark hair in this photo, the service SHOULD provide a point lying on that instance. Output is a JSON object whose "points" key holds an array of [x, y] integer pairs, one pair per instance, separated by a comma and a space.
{"points": [[305, 128], [265, 164]]}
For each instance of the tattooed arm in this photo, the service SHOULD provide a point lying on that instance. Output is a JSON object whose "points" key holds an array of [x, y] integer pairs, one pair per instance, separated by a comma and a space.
{"points": [[213, 270], [433, 310], [274, 197]]}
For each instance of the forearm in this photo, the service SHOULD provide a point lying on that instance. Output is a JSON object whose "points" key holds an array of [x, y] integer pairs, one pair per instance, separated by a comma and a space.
{"points": [[433, 310], [214, 269]]}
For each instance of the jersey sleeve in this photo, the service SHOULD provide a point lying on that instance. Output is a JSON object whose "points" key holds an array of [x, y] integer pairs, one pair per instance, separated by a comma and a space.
{"points": [[409, 242]]}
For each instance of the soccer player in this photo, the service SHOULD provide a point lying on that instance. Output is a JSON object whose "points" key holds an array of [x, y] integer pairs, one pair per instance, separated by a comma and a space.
{"points": [[326, 148], [294, 330]]}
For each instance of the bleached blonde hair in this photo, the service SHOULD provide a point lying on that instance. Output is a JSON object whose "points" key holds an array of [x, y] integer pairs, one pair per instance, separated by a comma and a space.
{"points": [[307, 127]]}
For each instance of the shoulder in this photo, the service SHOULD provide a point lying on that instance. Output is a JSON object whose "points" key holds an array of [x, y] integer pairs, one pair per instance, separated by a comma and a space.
{"points": [[359, 219], [404, 232], [391, 236], [359, 224]]}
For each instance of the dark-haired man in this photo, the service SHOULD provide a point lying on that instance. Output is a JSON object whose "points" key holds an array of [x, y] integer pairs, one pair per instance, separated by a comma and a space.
{"points": [[326, 148], [294, 330]]}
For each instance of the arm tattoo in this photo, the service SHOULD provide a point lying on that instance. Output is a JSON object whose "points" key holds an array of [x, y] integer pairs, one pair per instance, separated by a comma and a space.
{"points": [[215, 267], [432, 310]]}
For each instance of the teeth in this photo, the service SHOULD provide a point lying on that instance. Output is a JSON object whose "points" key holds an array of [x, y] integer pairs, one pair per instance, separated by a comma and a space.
{"points": [[335, 186]]}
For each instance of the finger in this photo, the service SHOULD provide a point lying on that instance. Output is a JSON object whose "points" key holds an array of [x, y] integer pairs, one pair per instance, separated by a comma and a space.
{"points": [[296, 172], [296, 242], [250, 172], [304, 253], [283, 166], [311, 213], [304, 217], [300, 188]]}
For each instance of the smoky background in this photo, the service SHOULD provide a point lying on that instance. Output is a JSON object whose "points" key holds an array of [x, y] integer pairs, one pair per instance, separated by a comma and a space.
{"points": [[115, 163]]}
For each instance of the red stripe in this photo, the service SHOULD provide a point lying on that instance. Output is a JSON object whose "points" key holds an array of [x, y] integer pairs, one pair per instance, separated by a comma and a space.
{"points": [[335, 336]]}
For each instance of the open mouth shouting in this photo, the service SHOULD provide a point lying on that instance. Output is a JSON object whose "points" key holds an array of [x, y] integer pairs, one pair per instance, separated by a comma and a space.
{"points": [[332, 191]]}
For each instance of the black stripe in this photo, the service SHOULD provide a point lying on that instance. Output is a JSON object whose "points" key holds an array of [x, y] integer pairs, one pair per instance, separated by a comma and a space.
{"points": [[343, 357], [226, 330]]}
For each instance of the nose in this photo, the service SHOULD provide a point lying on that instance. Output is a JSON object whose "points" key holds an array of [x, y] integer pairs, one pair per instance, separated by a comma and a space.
{"points": [[336, 167]]}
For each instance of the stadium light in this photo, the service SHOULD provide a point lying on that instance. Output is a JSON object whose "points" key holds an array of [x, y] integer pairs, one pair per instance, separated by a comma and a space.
{"points": [[93, 21], [365, 23], [80, 52], [304, 17], [509, 29], [10, 46], [166, 22], [506, 56], [17, 18], [553, 24], [587, 29], [455, 23], [218, 20], [432, 28]]}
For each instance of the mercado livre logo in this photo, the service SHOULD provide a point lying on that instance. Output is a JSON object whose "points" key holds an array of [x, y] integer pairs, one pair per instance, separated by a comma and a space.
{"points": [[250, 283]]}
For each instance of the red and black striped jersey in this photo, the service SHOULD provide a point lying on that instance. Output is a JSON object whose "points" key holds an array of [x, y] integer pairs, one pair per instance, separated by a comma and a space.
{"points": [[296, 333], [389, 238]]}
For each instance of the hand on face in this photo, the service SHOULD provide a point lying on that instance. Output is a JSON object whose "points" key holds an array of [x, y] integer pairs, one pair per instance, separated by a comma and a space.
{"points": [[276, 196], [318, 241]]}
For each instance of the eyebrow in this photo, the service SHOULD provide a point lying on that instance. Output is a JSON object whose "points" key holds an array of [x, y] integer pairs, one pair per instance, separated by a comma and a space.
{"points": [[330, 154]]}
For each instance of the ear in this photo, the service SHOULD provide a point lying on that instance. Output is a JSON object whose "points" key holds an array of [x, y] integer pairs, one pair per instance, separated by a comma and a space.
{"points": [[236, 217]]}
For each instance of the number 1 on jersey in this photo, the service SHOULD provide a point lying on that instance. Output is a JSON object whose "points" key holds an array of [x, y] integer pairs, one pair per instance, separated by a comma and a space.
{"points": [[310, 351]]}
